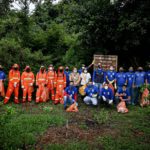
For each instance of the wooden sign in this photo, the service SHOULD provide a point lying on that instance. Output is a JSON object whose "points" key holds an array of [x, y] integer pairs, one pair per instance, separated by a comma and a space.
{"points": [[106, 61]]}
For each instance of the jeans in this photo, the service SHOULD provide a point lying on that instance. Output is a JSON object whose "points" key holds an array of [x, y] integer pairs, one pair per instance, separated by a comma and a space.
{"points": [[68, 101], [131, 92], [136, 94]]}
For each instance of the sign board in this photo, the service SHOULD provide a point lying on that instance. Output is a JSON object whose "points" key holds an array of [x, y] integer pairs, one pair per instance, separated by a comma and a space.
{"points": [[106, 61]]}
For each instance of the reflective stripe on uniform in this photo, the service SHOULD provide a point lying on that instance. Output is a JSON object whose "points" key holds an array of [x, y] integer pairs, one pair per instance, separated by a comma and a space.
{"points": [[7, 97]]}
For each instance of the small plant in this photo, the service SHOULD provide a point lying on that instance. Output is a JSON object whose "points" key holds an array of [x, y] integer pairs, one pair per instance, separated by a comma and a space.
{"points": [[102, 116], [10, 110], [143, 87], [47, 109]]}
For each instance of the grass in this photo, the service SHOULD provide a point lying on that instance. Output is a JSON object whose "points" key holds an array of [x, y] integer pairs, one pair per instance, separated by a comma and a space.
{"points": [[22, 126]]}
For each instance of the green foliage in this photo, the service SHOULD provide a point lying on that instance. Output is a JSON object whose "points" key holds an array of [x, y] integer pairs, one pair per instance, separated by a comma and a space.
{"points": [[12, 52], [143, 87], [102, 116], [19, 130]]}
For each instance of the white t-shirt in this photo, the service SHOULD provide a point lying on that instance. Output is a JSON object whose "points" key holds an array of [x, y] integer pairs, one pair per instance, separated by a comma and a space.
{"points": [[85, 77]]}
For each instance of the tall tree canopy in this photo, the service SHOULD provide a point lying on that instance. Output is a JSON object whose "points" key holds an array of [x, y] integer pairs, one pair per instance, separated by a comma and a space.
{"points": [[73, 30]]}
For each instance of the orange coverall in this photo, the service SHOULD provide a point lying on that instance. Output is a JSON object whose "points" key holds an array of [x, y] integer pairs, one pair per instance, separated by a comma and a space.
{"points": [[60, 80], [51, 83], [2, 90], [14, 79], [27, 81], [41, 81]]}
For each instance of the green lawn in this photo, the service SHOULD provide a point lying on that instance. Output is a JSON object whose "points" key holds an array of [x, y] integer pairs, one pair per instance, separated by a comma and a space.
{"points": [[48, 127]]}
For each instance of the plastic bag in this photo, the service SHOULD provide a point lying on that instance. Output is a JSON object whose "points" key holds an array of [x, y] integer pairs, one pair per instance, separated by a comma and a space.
{"points": [[145, 98], [72, 108], [122, 107], [81, 90]]}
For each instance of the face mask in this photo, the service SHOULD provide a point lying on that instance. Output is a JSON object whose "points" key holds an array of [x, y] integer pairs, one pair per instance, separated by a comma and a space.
{"points": [[61, 70], [83, 68], [15, 68], [111, 68], [67, 69], [42, 70], [50, 68], [120, 70], [130, 70], [85, 71], [28, 70], [71, 85], [106, 87], [75, 71], [140, 70]]}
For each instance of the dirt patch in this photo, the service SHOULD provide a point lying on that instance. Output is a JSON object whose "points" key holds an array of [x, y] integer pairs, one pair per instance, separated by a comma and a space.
{"points": [[61, 135]]}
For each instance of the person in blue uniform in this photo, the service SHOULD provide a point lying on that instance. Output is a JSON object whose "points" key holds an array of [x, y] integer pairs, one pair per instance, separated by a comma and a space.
{"points": [[2, 74], [67, 73], [99, 77], [110, 75], [139, 80], [91, 92], [122, 94], [70, 95], [107, 94], [130, 79], [120, 79], [2, 79], [148, 75]]}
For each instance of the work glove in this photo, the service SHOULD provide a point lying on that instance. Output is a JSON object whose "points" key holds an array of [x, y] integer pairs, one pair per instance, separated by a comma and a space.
{"points": [[104, 98], [37, 86], [93, 83], [45, 85], [111, 101], [22, 87]]}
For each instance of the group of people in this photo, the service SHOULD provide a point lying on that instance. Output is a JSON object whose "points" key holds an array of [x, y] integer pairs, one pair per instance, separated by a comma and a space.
{"points": [[64, 86]]}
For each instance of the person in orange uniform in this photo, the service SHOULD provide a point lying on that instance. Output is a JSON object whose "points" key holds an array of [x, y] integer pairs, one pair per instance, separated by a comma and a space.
{"points": [[14, 82], [41, 83], [51, 81], [27, 81], [60, 80]]}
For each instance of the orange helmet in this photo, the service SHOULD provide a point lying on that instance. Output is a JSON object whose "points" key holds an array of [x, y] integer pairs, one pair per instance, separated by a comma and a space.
{"points": [[27, 67]]}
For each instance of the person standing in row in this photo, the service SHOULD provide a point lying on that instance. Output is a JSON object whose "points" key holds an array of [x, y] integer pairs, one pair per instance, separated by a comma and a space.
{"points": [[139, 80], [67, 73], [99, 77], [2, 79], [130, 79], [60, 80], [148, 75], [51, 84], [110, 77], [27, 81], [75, 77], [121, 79], [14, 82], [41, 83]]}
